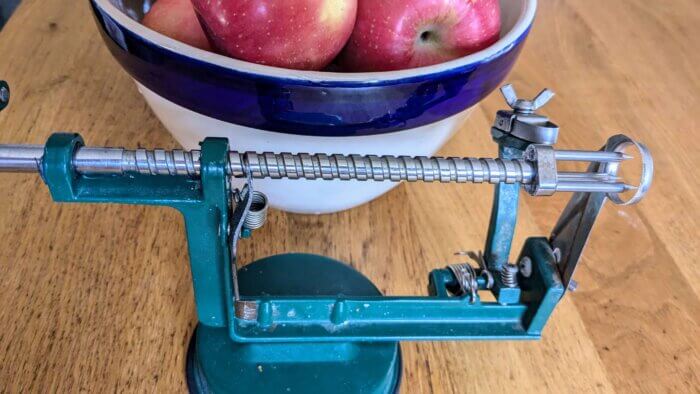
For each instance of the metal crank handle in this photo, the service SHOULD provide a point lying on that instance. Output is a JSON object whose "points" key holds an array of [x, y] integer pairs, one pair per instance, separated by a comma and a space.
{"points": [[537, 170]]}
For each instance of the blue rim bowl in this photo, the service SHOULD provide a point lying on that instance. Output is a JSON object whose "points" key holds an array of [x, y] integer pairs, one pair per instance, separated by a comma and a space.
{"points": [[310, 103]]}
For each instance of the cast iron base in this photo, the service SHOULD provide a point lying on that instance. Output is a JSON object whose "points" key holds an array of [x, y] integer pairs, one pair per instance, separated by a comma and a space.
{"points": [[216, 364]]}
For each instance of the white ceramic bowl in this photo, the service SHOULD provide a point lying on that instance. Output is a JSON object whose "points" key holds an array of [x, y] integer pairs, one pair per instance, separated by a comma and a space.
{"points": [[198, 94]]}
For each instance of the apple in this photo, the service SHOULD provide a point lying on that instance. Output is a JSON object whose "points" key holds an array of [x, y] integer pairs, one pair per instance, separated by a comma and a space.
{"points": [[400, 34], [177, 19], [298, 34]]}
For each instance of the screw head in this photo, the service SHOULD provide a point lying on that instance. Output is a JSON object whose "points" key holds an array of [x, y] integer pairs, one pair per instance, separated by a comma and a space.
{"points": [[557, 255], [525, 266]]}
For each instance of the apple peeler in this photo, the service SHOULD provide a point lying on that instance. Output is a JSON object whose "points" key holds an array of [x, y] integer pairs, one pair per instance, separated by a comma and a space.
{"points": [[307, 323]]}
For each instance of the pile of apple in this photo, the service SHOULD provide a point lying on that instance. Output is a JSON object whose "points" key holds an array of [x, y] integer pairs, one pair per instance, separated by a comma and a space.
{"points": [[345, 35]]}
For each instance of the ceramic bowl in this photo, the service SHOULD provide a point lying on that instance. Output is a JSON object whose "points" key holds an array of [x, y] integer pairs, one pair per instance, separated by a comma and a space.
{"points": [[413, 112]]}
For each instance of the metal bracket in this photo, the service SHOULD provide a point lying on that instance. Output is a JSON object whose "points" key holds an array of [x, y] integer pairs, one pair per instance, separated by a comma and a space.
{"points": [[570, 234], [204, 204]]}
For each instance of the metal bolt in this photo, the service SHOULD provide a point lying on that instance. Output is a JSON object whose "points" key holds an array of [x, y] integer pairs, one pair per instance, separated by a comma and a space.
{"points": [[557, 255], [525, 266]]}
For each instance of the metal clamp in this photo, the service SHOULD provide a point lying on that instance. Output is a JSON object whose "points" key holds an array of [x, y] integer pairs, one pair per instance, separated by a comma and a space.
{"points": [[523, 122]]}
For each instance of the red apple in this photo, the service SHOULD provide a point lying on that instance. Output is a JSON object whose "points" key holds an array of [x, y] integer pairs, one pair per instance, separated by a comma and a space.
{"points": [[299, 34], [400, 34], [177, 19]]}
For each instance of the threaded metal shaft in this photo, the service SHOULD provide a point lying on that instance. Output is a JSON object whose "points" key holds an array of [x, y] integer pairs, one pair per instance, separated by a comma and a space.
{"points": [[282, 165], [380, 168], [88, 160], [322, 166]]}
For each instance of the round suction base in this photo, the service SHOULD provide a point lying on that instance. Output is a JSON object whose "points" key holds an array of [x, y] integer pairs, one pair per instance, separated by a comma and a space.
{"points": [[216, 364]]}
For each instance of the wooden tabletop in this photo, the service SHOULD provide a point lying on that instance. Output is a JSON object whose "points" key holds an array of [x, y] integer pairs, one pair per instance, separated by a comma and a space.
{"points": [[98, 298]]}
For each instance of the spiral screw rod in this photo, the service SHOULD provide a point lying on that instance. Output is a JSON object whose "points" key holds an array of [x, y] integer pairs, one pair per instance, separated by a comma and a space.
{"points": [[89, 160]]}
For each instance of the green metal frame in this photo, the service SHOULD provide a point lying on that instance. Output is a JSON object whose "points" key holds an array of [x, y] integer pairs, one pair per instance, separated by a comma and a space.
{"points": [[504, 217], [205, 205]]}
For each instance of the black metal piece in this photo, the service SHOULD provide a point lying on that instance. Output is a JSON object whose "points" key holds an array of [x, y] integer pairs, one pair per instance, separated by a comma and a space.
{"points": [[4, 95], [570, 234]]}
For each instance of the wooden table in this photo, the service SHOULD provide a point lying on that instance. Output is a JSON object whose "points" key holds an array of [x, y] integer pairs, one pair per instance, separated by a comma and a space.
{"points": [[98, 298]]}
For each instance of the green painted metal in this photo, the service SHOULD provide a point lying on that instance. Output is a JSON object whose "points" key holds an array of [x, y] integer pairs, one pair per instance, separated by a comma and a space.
{"points": [[382, 319], [544, 288], [217, 364], [318, 324], [203, 204], [504, 217], [347, 317], [328, 316]]}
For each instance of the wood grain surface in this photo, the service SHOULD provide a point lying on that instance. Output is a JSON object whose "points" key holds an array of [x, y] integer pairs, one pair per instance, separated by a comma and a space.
{"points": [[97, 298]]}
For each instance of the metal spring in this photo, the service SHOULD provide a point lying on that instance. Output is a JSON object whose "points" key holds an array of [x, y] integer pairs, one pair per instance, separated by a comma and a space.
{"points": [[484, 272], [466, 279], [509, 275], [257, 215]]}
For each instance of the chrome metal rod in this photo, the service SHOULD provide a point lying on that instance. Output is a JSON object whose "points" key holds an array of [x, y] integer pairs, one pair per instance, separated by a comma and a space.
{"points": [[20, 158], [596, 176], [598, 156], [87, 160], [602, 187]]}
